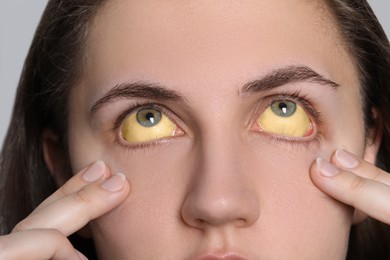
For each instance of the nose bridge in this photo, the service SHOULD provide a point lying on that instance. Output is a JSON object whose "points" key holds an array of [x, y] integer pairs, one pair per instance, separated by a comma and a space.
{"points": [[220, 194], [219, 152]]}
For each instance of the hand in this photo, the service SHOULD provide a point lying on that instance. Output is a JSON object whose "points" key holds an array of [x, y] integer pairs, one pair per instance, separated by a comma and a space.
{"points": [[86, 196], [355, 182]]}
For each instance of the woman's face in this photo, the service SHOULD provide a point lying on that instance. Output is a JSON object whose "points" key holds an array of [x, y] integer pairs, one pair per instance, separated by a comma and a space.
{"points": [[215, 111]]}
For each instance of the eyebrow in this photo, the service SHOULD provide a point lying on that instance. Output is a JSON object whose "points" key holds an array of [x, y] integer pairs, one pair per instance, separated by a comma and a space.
{"points": [[276, 78], [138, 90], [286, 75]]}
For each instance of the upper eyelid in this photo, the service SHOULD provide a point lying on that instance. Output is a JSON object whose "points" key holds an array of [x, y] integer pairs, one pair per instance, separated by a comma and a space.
{"points": [[297, 98], [292, 96], [132, 109]]}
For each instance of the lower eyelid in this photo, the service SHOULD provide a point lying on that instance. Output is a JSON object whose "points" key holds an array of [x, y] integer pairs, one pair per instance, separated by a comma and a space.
{"points": [[313, 140], [311, 144]]}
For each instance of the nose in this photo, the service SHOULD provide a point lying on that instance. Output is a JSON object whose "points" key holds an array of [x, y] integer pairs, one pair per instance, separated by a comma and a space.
{"points": [[221, 193]]}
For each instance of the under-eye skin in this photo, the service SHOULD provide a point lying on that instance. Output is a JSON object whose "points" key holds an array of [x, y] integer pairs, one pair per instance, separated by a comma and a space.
{"points": [[286, 118], [147, 124]]}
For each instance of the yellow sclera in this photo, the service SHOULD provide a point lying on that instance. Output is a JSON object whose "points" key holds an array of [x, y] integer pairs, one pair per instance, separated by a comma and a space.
{"points": [[133, 132], [296, 125]]}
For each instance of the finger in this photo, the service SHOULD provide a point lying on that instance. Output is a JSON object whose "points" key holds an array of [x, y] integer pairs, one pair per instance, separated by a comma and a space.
{"points": [[94, 172], [369, 196], [74, 211], [351, 162], [38, 244]]}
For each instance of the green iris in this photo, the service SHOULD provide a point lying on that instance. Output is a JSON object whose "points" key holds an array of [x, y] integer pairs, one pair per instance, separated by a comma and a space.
{"points": [[148, 117], [283, 108]]}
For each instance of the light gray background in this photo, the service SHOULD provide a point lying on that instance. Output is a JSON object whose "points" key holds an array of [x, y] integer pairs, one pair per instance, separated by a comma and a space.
{"points": [[18, 20]]}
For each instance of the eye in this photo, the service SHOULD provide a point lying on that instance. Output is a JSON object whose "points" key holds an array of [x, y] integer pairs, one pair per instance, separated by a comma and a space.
{"points": [[286, 118], [148, 124]]}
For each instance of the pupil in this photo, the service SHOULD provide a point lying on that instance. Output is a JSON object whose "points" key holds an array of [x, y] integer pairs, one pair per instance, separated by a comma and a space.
{"points": [[283, 107], [150, 117]]}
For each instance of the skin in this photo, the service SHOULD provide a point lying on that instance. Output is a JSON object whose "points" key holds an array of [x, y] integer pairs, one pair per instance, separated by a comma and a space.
{"points": [[220, 171], [221, 186]]}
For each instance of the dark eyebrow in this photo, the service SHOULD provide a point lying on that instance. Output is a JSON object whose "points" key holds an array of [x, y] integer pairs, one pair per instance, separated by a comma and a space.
{"points": [[274, 79], [286, 75], [138, 90]]}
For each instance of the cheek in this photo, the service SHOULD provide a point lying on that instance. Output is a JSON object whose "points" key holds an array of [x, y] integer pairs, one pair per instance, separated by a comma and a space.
{"points": [[293, 211], [152, 213]]}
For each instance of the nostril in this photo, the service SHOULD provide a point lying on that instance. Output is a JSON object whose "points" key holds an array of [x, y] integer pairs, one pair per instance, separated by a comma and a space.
{"points": [[242, 222], [200, 221]]}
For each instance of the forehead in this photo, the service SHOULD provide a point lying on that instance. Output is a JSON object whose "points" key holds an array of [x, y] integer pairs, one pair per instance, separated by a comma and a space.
{"points": [[211, 42]]}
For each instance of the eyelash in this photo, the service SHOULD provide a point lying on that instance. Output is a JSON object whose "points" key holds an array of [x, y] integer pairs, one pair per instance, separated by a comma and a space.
{"points": [[316, 116], [295, 97]]}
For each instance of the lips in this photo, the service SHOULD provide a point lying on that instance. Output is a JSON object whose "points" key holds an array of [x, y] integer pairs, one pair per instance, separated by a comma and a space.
{"points": [[230, 256]]}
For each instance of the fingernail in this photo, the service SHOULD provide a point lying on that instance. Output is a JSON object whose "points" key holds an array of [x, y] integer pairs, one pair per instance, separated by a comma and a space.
{"points": [[115, 183], [326, 169], [94, 172], [346, 159]]}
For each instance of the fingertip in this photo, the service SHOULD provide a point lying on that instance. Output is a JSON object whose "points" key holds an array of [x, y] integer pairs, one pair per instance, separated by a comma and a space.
{"points": [[126, 186], [313, 167], [345, 159], [115, 183], [94, 172], [325, 168], [321, 172], [314, 170]]}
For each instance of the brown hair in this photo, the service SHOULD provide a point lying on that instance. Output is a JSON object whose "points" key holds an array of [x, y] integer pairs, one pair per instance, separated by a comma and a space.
{"points": [[55, 63], [370, 49]]}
